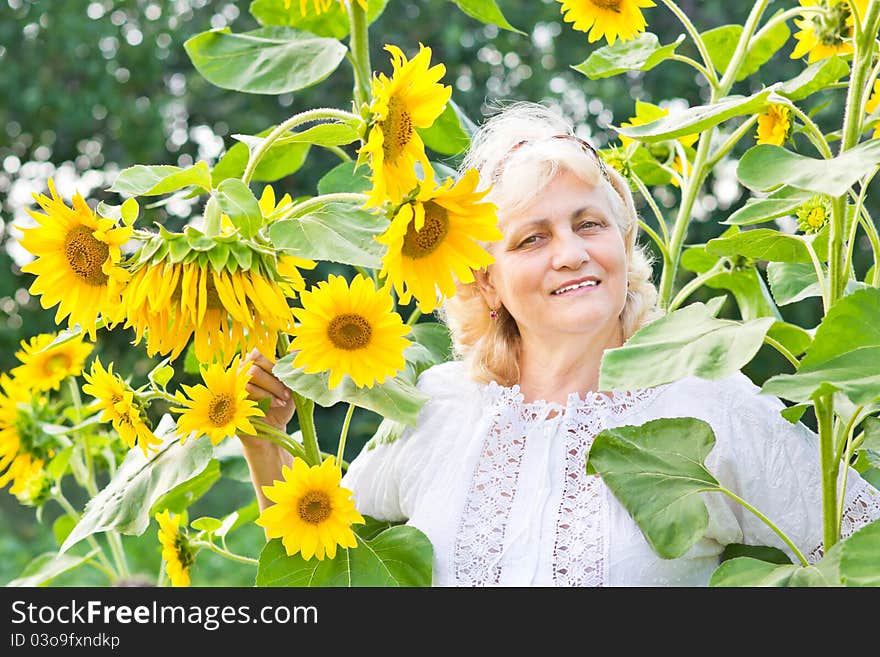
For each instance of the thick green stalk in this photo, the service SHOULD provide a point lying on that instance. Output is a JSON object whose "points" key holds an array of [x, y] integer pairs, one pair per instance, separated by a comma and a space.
{"points": [[742, 47], [359, 45], [698, 42], [340, 452], [829, 465], [305, 411]]}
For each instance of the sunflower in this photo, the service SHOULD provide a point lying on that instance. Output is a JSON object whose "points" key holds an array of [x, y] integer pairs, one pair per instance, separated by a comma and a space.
{"points": [[774, 125], [411, 98], [612, 19], [44, 367], [77, 255], [118, 406], [322, 6], [827, 33], [176, 551], [349, 330], [220, 408], [436, 236], [227, 311], [312, 513], [19, 461]]}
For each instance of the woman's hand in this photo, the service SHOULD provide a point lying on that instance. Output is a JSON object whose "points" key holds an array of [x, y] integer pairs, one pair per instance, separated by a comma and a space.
{"points": [[263, 384]]}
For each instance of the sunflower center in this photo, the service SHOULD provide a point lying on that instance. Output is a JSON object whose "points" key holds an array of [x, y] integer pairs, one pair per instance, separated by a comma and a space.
{"points": [[421, 243], [314, 507], [221, 409], [397, 128], [816, 217], [831, 26], [607, 5], [184, 554], [56, 363], [349, 332], [86, 254]]}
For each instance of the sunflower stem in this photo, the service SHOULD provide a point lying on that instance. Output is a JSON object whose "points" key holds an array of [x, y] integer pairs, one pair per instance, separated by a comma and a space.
{"points": [[343, 435], [115, 543], [213, 547], [269, 433], [414, 317], [829, 466], [766, 520], [339, 197], [816, 136], [359, 45], [698, 41], [305, 410], [59, 497]]}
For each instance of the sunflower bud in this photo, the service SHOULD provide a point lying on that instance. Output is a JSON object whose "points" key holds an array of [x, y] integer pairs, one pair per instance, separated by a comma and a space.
{"points": [[814, 214]]}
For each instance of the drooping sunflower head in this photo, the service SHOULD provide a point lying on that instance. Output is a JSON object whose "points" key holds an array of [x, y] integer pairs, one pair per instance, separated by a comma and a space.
{"points": [[826, 33], [436, 238], [774, 125], [312, 514], [177, 553], [220, 408], [613, 19], [349, 331], [77, 261], [44, 367], [411, 98]]}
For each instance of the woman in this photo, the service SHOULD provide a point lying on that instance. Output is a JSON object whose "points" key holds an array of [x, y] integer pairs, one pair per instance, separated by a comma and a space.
{"points": [[493, 473]]}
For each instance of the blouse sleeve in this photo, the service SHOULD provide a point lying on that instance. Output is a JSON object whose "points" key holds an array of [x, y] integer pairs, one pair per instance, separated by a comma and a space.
{"points": [[384, 476], [774, 465]]}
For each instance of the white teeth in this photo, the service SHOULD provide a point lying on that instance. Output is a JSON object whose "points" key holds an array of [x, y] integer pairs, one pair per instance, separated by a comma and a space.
{"points": [[574, 287]]}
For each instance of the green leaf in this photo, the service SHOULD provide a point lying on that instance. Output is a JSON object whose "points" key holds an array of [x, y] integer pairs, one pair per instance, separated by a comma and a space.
{"points": [[279, 161], [748, 288], [762, 49], [762, 552], [853, 322], [58, 465], [62, 527], [141, 180], [398, 556], [859, 565], [761, 244], [746, 571], [123, 504], [687, 342], [206, 524], [268, 60], [871, 425], [792, 281], [697, 259], [332, 23], [639, 54], [791, 336], [446, 135], [435, 337], [794, 413], [240, 205], [699, 118], [344, 178], [815, 77], [129, 211], [486, 11], [47, 566], [765, 166], [338, 232], [655, 471], [759, 210], [184, 494], [335, 133], [721, 42], [395, 399]]}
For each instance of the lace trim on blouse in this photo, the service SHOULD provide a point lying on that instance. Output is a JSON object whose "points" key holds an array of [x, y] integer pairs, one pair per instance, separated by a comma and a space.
{"points": [[862, 510], [578, 552]]}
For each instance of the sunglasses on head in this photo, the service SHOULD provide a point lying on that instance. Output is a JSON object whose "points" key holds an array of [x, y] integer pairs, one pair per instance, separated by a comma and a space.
{"points": [[585, 146]]}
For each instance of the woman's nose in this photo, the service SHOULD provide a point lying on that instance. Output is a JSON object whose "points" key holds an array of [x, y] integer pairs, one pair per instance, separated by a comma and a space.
{"points": [[570, 251]]}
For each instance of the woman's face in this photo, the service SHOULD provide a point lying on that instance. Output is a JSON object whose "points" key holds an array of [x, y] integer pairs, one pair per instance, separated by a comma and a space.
{"points": [[561, 267]]}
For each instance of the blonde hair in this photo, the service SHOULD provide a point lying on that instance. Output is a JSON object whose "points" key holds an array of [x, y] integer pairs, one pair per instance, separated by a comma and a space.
{"points": [[518, 152]]}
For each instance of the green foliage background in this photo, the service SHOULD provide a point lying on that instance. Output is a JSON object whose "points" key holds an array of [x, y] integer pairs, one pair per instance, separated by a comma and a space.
{"points": [[89, 88]]}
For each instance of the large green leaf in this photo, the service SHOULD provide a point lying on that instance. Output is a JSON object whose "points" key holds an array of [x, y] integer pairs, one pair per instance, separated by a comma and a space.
{"points": [[747, 571], [853, 322], [814, 78], [280, 160], [344, 178], [765, 166], [792, 282], [687, 342], [123, 505], [238, 202], [697, 119], [184, 494], [761, 49], [268, 60], [639, 54], [398, 556], [748, 288], [45, 567], [761, 244], [447, 135], [395, 398], [720, 43], [860, 557], [486, 11], [758, 210], [338, 232], [333, 133], [794, 338], [656, 471], [143, 180], [332, 23]]}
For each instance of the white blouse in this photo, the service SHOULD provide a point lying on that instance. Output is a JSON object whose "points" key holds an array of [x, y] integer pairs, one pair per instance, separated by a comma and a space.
{"points": [[500, 489]]}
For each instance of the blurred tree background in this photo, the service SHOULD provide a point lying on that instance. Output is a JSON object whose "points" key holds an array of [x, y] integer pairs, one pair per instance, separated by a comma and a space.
{"points": [[89, 88]]}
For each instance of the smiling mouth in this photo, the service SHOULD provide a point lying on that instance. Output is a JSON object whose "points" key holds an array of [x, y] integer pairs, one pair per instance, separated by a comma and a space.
{"points": [[576, 286]]}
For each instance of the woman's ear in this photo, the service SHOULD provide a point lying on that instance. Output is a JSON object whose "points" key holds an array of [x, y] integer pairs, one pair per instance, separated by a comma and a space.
{"points": [[490, 295]]}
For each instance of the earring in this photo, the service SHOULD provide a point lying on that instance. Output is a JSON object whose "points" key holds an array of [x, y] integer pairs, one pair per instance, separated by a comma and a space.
{"points": [[493, 314]]}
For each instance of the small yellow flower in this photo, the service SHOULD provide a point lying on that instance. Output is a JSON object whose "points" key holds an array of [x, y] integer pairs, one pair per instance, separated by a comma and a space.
{"points": [[20, 458], [312, 514], [220, 408], [774, 126], [44, 367], [612, 19], [814, 214], [828, 33], [177, 553], [349, 331]]}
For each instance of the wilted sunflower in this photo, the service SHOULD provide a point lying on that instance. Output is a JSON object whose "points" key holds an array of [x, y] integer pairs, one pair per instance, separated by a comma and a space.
{"points": [[220, 408], [119, 407], [435, 237], [177, 553], [77, 255], [612, 19], [411, 98], [828, 33], [349, 331], [312, 513], [774, 125], [19, 461], [45, 368]]}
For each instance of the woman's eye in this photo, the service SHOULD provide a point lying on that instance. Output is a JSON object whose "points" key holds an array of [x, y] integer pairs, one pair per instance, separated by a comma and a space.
{"points": [[531, 239], [590, 224]]}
